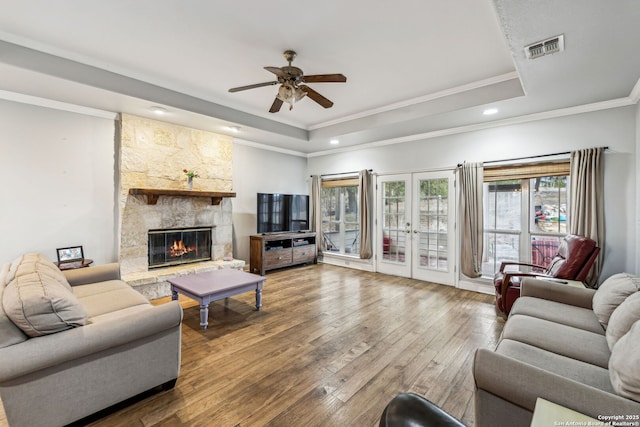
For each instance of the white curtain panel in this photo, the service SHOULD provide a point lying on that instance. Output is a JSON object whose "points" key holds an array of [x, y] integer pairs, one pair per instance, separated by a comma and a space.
{"points": [[472, 222], [586, 202], [366, 247], [316, 211]]}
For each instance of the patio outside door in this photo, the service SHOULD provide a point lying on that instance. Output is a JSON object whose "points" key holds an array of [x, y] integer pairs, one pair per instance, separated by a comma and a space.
{"points": [[394, 225], [433, 227], [416, 226]]}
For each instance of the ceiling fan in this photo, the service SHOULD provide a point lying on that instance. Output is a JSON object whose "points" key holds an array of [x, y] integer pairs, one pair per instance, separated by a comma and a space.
{"points": [[293, 84]]}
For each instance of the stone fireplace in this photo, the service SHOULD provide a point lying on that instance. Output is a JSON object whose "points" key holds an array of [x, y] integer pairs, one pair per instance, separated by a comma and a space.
{"points": [[153, 155]]}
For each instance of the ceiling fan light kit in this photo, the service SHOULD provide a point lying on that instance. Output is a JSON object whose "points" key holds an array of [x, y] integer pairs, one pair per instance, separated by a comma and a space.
{"points": [[290, 94], [293, 84]]}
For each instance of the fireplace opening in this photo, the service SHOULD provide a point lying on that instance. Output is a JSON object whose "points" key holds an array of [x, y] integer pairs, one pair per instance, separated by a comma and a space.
{"points": [[179, 246]]}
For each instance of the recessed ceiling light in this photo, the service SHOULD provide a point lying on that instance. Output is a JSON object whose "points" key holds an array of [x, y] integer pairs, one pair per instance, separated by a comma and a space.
{"points": [[334, 142], [159, 110], [490, 111], [234, 129]]}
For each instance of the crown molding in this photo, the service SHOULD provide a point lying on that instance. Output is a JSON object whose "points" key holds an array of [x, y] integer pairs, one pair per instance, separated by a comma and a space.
{"points": [[56, 105]]}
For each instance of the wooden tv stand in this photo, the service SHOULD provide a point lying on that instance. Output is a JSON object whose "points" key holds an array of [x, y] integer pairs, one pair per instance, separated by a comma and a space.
{"points": [[276, 250]]}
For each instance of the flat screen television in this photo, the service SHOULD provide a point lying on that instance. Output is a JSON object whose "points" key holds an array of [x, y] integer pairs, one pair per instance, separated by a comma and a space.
{"points": [[282, 212]]}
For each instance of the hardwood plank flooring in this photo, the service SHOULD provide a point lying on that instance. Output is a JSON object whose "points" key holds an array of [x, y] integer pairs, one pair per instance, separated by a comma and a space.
{"points": [[330, 347]]}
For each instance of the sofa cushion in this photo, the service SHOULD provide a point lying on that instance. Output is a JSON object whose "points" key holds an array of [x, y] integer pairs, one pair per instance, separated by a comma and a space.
{"points": [[623, 318], [115, 316], [564, 340], [10, 334], [624, 365], [106, 297], [612, 293], [39, 300], [564, 314], [585, 373], [97, 288]]}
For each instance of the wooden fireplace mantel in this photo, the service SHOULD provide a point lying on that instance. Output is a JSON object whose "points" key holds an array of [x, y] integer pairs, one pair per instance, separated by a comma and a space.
{"points": [[153, 194]]}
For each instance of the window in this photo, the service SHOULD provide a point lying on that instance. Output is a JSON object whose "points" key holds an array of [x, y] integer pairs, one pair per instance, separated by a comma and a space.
{"points": [[340, 216], [548, 218], [524, 218], [502, 224]]}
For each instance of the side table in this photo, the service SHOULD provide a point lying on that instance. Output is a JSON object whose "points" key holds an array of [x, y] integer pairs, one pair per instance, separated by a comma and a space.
{"points": [[75, 264], [547, 414]]}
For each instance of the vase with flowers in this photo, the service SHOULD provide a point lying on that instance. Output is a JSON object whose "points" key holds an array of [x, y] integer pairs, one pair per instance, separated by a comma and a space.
{"points": [[190, 175]]}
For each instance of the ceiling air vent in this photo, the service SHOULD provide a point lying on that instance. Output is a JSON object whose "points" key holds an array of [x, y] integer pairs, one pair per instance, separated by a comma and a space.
{"points": [[545, 47]]}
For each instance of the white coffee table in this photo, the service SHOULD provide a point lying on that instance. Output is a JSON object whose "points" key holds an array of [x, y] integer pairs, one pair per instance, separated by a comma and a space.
{"points": [[215, 285]]}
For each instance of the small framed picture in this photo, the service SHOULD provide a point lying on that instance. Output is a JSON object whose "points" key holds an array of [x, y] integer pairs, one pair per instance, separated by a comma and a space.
{"points": [[70, 254]]}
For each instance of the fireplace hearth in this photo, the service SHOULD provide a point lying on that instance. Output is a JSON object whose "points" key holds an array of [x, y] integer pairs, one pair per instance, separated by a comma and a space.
{"points": [[168, 247]]}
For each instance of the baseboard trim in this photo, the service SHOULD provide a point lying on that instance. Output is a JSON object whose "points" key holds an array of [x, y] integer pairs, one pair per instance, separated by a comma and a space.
{"points": [[347, 261], [469, 285]]}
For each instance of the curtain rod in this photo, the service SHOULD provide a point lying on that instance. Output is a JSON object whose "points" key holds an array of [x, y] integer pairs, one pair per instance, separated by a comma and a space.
{"points": [[530, 157], [342, 173]]}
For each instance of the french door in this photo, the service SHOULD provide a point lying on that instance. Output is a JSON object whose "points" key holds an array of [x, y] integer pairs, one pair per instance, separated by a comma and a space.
{"points": [[394, 250], [415, 226]]}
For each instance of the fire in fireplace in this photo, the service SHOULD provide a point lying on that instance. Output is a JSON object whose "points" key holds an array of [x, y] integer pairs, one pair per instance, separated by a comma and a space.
{"points": [[179, 246], [178, 249]]}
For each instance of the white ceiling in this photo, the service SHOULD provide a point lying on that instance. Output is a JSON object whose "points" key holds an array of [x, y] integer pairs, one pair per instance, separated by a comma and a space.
{"points": [[413, 66]]}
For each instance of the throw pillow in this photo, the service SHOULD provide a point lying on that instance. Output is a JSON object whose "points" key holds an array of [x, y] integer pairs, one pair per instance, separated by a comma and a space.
{"points": [[624, 364], [623, 318], [10, 334], [612, 293], [29, 263], [39, 300]]}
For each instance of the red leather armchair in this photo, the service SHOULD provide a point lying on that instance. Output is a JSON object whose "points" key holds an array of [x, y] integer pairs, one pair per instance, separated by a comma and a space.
{"points": [[573, 261]]}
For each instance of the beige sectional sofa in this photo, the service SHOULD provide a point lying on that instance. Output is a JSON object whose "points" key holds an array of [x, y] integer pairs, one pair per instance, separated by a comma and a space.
{"points": [[576, 347], [74, 343]]}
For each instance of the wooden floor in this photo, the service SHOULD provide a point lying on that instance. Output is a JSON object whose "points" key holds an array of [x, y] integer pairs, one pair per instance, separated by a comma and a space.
{"points": [[330, 347]]}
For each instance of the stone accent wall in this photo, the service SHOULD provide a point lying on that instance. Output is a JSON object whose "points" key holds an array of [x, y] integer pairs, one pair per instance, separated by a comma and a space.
{"points": [[153, 154], [170, 212]]}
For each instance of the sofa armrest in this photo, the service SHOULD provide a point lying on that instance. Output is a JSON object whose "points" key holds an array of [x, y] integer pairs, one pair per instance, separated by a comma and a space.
{"points": [[521, 384], [571, 295], [99, 273], [55, 349]]}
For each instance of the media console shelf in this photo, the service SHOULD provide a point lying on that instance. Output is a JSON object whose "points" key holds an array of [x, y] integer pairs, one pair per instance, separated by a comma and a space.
{"points": [[153, 194], [277, 250]]}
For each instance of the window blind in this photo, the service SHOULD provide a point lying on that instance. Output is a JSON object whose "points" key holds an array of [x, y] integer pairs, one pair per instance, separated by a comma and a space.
{"points": [[536, 170], [342, 182]]}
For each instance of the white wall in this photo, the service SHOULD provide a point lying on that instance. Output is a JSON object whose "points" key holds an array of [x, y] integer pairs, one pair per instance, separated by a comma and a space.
{"points": [[57, 175], [614, 128], [261, 171]]}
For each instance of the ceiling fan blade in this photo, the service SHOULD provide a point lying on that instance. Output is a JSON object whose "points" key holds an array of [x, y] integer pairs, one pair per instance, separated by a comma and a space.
{"points": [[238, 89], [325, 78], [275, 107], [277, 71], [317, 97]]}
